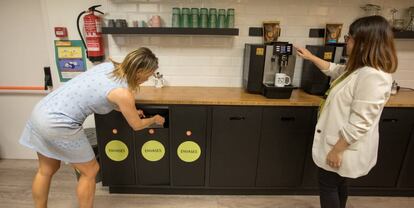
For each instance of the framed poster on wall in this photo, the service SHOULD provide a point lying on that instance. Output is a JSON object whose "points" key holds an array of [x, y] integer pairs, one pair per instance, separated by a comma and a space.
{"points": [[70, 58]]}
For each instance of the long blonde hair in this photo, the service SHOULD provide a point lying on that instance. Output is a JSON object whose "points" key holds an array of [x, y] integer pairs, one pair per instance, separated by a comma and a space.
{"points": [[136, 67]]}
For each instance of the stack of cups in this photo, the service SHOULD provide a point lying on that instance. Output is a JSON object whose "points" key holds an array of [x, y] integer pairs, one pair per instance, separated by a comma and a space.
{"points": [[230, 18], [194, 17], [212, 18], [176, 17], [221, 18], [202, 18], [185, 17]]}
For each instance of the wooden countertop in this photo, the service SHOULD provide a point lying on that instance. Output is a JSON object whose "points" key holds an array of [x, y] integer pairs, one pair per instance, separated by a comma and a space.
{"points": [[238, 96]]}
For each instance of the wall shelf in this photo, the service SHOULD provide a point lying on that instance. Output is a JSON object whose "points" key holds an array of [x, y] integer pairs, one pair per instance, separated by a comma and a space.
{"points": [[171, 31], [404, 34], [320, 32]]}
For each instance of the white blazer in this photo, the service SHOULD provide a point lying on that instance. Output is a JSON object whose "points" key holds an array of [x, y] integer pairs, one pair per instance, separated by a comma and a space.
{"points": [[352, 110]]}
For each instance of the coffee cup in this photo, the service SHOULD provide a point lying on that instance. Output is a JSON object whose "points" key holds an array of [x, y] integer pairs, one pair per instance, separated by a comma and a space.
{"points": [[282, 80]]}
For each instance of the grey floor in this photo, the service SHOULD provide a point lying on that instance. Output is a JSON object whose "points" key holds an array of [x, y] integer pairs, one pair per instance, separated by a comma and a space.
{"points": [[15, 192]]}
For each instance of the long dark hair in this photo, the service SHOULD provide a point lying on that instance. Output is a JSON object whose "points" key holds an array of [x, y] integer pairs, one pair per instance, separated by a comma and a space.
{"points": [[373, 45]]}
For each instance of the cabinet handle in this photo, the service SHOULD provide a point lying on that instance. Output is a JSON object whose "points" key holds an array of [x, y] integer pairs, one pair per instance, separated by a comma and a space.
{"points": [[392, 120], [283, 118], [237, 118]]}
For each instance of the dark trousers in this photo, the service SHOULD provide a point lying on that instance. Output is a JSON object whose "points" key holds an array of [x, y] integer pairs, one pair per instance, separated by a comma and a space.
{"points": [[333, 189]]}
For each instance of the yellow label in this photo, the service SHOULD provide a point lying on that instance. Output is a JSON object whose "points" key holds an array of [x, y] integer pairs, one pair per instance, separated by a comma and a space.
{"points": [[327, 55], [116, 150], [153, 150], [63, 43], [188, 151], [70, 52], [259, 51]]}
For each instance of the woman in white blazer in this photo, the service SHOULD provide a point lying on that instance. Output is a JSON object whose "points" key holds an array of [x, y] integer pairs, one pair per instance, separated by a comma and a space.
{"points": [[346, 135]]}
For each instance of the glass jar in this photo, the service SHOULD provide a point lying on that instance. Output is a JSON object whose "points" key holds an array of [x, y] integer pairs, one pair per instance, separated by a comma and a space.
{"points": [[185, 17], [371, 9], [212, 23], [230, 18], [398, 24], [176, 17], [203, 18], [194, 17]]}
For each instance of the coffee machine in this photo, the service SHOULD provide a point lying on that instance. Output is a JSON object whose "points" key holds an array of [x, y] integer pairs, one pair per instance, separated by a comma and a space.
{"points": [[313, 81], [262, 62]]}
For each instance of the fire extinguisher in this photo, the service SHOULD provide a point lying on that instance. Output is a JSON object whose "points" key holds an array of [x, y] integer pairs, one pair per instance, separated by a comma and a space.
{"points": [[92, 26]]}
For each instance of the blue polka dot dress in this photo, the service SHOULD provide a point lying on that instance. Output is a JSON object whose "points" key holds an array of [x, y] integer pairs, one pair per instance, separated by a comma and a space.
{"points": [[55, 125]]}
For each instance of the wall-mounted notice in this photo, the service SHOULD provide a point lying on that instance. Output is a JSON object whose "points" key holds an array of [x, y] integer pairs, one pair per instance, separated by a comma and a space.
{"points": [[70, 58]]}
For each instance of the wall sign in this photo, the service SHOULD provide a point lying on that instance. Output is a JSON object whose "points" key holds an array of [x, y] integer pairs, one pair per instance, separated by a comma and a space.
{"points": [[116, 150], [70, 58], [189, 151], [153, 150]]}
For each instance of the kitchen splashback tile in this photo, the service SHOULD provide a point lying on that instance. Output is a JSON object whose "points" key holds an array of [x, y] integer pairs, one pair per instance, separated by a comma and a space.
{"points": [[296, 18]]}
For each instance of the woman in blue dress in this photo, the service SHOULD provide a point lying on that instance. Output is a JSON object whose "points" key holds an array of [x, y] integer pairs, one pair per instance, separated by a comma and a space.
{"points": [[55, 131]]}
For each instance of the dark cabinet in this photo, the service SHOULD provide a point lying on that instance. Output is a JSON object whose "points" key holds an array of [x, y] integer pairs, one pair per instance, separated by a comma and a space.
{"points": [[234, 146], [407, 172], [241, 149], [152, 150], [285, 135], [395, 131], [116, 149], [188, 145]]}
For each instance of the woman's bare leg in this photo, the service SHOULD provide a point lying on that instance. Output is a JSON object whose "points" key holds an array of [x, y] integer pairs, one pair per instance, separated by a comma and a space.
{"points": [[41, 182], [86, 183]]}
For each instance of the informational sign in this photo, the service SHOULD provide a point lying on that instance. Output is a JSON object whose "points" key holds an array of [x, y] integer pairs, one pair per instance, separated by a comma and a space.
{"points": [[70, 58], [153, 150], [116, 150], [189, 151]]}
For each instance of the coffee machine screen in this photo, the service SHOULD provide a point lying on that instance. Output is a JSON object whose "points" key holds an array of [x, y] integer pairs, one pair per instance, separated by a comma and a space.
{"points": [[282, 49]]}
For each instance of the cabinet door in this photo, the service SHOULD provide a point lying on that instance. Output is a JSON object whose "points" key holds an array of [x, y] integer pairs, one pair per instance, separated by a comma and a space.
{"points": [[152, 149], [394, 130], [188, 140], [235, 145], [283, 144], [116, 149], [152, 153], [407, 172]]}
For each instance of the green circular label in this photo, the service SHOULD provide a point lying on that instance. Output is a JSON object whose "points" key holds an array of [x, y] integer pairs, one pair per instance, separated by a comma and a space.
{"points": [[116, 150], [153, 150], [188, 151]]}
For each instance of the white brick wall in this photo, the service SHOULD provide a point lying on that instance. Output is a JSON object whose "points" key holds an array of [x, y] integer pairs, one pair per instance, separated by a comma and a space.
{"points": [[217, 61]]}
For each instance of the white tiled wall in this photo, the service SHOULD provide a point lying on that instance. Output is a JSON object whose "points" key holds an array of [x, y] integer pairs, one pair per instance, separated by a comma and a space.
{"points": [[217, 61]]}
